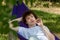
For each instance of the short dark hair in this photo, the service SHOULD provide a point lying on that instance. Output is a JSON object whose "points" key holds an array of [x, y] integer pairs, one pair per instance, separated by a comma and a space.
{"points": [[28, 13]]}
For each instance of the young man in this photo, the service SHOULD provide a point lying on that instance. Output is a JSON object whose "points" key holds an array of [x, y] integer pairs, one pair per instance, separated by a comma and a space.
{"points": [[39, 32]]}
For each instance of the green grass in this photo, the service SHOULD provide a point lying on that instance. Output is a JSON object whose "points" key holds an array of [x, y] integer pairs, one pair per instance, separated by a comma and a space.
{"points": [[52, 21], [3, 37]]}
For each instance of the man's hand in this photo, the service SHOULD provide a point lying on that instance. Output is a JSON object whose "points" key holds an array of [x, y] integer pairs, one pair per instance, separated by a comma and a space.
{"points": [[11, 26], [10, 21], [39, 22]]}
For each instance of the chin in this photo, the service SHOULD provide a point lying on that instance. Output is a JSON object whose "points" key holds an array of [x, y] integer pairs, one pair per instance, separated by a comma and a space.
{"points": [[33, 23]]}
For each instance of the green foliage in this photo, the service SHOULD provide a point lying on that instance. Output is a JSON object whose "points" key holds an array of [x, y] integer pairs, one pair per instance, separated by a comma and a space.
{"points": [[46, 5], [55, 1], [56, 4], [26, 1], [15, 23], [20, 1], [2, 37], [31, 2], [10, 1]]}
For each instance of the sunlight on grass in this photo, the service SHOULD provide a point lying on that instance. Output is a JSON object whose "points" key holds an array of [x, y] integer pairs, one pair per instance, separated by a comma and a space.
{"points": [[52, 21]]}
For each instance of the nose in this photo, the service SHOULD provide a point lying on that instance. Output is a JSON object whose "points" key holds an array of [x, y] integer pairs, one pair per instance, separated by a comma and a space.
{"points": [[31, 19]]}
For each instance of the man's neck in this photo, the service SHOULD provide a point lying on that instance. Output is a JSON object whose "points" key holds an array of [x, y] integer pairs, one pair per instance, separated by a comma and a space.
{"points": [[32, 25]]}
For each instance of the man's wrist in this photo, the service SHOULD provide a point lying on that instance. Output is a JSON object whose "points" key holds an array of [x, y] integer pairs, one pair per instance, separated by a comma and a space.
{"points": [[42, 25]]}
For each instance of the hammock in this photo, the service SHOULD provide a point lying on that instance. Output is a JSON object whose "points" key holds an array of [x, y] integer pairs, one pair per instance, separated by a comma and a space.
{"points": [[18, 10]]}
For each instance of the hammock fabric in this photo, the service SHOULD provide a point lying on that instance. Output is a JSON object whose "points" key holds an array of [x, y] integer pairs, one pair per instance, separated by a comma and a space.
{"points": [[18, 10]]}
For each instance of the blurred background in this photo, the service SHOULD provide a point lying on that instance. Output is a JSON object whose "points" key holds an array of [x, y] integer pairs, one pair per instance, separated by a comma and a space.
{"points": [[48, 10]]}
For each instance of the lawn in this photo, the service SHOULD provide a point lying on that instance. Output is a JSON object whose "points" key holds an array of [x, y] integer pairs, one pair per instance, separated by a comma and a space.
{"points": [[52, 21]]}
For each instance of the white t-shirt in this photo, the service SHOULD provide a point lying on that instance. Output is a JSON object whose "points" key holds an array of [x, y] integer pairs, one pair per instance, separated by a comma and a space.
{"points": [[35, 31]]}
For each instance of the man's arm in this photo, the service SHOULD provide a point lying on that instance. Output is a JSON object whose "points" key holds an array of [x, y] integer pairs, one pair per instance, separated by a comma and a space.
{"points": [[47, 32], [18, 19], [11, 25], [13, 28]]}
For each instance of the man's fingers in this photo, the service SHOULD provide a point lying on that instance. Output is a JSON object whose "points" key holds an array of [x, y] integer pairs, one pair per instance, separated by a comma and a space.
{"points": [[9, 21], [38, 20]]}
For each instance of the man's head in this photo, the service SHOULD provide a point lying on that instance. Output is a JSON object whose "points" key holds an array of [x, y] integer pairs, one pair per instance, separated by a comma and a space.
{"points": [[29, 17]]}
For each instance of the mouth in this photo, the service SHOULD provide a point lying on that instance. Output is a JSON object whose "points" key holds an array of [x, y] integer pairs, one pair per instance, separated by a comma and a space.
{"points": [[32, 21]]}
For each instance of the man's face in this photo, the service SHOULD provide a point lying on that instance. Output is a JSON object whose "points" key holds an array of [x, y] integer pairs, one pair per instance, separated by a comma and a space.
{"points": [[30, 19]]}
